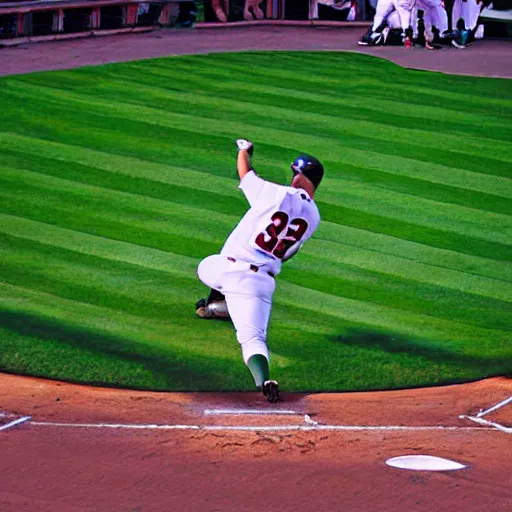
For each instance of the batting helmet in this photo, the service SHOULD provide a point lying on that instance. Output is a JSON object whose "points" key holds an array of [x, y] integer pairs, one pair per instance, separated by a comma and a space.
{"points": [[310, 167]]}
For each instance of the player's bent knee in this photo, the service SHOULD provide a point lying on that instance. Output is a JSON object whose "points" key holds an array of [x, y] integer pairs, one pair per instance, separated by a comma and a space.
{"points": [[252, 346], [208, 271]]}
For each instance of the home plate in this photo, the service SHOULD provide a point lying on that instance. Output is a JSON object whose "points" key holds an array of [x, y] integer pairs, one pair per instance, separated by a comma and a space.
{"points": [[424, 463]]}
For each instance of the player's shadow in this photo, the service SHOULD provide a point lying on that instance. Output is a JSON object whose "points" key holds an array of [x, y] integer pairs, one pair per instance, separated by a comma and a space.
{"points": [[171, 370], [433, 351]]}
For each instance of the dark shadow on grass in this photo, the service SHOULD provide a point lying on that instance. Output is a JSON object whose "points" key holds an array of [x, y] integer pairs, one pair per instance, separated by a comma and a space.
{"points": [[396, 344], [179, 372]]}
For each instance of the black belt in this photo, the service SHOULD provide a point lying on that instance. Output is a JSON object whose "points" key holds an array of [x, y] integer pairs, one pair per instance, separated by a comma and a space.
{"points": [[254, 268]]}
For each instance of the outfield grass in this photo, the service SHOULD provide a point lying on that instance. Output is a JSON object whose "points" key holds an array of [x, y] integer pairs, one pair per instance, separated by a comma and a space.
{"points": [[116, 180]]}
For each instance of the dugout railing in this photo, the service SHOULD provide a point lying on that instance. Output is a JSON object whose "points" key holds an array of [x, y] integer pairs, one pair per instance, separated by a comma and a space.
{"points": [[25, 21], [28, 21]]}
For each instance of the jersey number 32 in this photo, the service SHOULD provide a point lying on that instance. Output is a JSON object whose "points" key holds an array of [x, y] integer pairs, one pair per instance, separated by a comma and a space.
{"points": [[281, 234]]}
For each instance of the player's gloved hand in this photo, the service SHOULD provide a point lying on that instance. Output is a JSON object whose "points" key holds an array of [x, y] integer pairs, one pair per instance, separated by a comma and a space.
{"points": [[245, 144]]}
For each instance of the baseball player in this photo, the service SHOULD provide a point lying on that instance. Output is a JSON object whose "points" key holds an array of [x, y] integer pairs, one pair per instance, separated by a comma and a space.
{"points": [[384, 9], [242, 277], [465, 15], [468, 10], [339, 5], [436, 19]]}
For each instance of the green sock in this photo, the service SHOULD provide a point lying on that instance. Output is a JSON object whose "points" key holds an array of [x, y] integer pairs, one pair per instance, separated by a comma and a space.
{"points": [[258, 365]]}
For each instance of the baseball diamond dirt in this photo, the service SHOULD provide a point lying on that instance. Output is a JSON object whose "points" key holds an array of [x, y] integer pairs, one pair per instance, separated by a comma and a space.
{"points": [[67, 447], [90, 449]]}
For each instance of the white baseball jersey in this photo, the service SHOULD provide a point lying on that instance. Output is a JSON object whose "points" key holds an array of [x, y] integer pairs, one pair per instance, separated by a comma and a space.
{"points": [[278, 222], [274, 228]]}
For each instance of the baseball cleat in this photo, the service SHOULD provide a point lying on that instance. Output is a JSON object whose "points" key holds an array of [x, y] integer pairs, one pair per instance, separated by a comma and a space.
{"points": [[202, 309], [458, 45], [216, 309], [432, 46], [270, 389]]}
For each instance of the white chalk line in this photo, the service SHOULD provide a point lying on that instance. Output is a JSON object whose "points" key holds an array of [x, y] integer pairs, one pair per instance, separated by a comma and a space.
{"points": [[495, 407], [481, 421], [253, 428], [15, 422], [250, 412]]}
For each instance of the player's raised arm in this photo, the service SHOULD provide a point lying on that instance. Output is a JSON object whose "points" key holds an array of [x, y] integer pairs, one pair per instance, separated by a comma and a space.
{"points": [[243, 162]]}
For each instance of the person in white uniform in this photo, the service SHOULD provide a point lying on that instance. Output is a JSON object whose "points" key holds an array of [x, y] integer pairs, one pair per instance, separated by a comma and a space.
{"points": [[468, 10], [242, 277], [383, 11], [435, 15]]}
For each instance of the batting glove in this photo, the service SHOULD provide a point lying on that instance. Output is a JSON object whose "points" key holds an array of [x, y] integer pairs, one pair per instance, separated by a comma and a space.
{"points": [[245, 144]]}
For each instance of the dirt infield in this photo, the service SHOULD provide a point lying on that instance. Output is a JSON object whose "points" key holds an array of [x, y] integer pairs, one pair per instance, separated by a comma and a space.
{"points": [[88, 449], [78, 448], [484, 58]]}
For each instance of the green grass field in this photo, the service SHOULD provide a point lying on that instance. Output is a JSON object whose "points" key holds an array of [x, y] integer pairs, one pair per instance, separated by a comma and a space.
{"points": [[116, 180]]}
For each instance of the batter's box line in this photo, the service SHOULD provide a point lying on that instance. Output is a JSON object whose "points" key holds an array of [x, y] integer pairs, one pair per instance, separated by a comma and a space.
{"points": [[13, 423], [495, 407], [252, 428], [250, 412], [481, 421]]}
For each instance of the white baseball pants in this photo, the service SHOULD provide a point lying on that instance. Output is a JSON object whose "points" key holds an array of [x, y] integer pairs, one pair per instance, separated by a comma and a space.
{"points": [[248, 297], [435, 14], [469, 11], [386, 7]]}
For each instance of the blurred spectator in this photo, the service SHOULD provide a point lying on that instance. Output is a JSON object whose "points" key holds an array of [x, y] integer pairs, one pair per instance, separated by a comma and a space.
{"points": [[188, 14], [221, 10]]}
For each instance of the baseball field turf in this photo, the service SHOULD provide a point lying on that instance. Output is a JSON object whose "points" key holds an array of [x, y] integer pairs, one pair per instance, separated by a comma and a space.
{"points": [[116, 180]]}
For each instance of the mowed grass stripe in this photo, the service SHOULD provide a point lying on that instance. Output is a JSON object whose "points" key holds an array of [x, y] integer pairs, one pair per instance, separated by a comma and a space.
{"points": [[361, 78], [343, 157], [158, 228], [485, 225], [335, 233], [353, 137], [393, 320], [179, 340], [428, 189], [345, 151], [439, 238], [20, 159], [137, 290], [455, 333], [155, 363], [351, 106], [98, 246], [330, 122], [354, 197], [408, 269], [169, 229], [338, 214], [392, 290], [430, 116], [428, 90], [355, 217], [485, 165], [148, 184], [95, 280], [123, 165]]}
